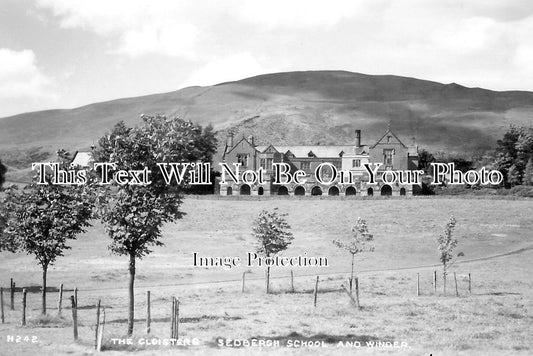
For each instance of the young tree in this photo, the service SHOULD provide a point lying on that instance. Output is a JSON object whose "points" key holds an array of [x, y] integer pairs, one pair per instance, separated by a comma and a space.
{"points": [[360, 242], [273, 234], [446, 245], [133, 215], [43, 218]]}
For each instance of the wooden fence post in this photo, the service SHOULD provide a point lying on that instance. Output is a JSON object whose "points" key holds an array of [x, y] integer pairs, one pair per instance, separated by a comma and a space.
{"points": [[176, 329], [76, 296], [418, 284], [357, 292], [172, 317], [60, 299], [148, 316], [469, 283], [243, 280], [292, 281], [74, 317], [2, 303], [12, 291], [101, 332], [24, 307], [435, 281], [455, 280], [97, 324], [316, 290]]}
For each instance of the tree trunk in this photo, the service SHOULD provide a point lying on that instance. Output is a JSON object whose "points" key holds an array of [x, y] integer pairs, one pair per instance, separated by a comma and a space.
{"points": [[43, 308], [444, 282], [351, 277], [131, 307], [268, 280]]}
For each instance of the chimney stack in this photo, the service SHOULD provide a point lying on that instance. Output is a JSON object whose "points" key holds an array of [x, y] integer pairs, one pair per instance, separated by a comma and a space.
{"points": [[229, 140], [251, 140], [357, 138]]}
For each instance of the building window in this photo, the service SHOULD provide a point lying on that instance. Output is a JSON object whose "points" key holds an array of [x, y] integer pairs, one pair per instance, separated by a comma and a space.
{"points": [[305, 166], [387, 156], [243, 159], [389, 138], [269, 163], [356, 163]]}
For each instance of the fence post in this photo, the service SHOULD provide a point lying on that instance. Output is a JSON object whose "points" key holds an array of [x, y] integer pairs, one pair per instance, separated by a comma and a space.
{"points": [[12, 291], [60, 300], [243, 279], [435, 281], [74, 317], [316, 290], [455, 280], [172, 317], [176, 330], [97, 324], [292, 281], [101, 332], [469, 283], [76, 296], [418, 284], [24, 307], [148, 316], [357, 292], [2, 303]]}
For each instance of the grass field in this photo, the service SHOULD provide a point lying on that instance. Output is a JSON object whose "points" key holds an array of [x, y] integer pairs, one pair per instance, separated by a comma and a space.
{"points": [[495, 236]]}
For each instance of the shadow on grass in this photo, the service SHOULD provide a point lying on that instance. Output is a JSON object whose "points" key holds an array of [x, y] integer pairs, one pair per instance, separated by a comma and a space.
{"points": [[325, 338], [182, 320]]}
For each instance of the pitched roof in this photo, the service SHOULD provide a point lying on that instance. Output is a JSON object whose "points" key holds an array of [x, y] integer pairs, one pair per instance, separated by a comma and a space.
{"points": [[82, 159], [388, 132], [319, 151]]}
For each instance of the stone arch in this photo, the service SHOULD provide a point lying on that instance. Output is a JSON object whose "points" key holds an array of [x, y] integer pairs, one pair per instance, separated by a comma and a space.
{"points": [[316, 190], [260, 191], [350, 191], [229, 191], [402, 191], [299, 190], [370, 192], [245, 189], [282, 190], [333, 191], [386, 190]]}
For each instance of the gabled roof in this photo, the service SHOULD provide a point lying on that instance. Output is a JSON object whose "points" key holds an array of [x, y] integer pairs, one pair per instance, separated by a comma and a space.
{"points": [[318, 151], [387, 133], [239, 142], [82, 159]]}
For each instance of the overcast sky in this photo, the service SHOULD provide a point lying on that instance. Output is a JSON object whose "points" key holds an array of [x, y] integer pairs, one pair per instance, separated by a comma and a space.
{"points": [[67, 53]]}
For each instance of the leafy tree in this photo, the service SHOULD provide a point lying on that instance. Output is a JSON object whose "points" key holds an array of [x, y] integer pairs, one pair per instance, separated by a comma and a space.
{"points": [[43, 218], [3, 170], [360, 242], [513, 153], [133, 215], [273, 233], [425, 158], [446, 245]]}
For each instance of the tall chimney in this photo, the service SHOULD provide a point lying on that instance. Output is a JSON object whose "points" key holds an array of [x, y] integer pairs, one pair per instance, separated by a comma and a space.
{"points": [[357, 138], [230, 139], [251, 140]]}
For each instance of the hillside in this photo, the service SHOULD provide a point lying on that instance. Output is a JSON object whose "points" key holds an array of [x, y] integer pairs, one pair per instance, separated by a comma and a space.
{"points": [[316, 107]]}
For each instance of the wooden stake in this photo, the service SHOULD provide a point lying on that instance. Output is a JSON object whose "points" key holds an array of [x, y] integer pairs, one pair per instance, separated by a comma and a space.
{"points": [[24, 307], [101, 332], [455, 279], [316, 290], [148, 312], [292, 282], [418, 284], [176, 329], [243, 279], [469, 284], [76, 296], [60, 299], [2, 304], [74, 317], [435, 281], [97, 324], [354, 302], [12, 291], [172, 317], [357, 292]]}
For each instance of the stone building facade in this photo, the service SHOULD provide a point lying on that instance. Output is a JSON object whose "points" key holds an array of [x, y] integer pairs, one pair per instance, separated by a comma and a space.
{"points": [[389, 150]]}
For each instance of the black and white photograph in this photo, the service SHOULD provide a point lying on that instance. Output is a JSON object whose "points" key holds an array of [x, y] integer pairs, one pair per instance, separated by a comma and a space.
{"points": [[245, 177]]}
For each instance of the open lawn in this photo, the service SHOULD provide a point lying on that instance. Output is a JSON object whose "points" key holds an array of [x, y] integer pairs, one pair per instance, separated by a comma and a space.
{"points": [[495, 235]]}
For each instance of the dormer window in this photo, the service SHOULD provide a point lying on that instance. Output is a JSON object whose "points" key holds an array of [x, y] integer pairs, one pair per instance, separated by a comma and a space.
{"points": [[311, 154]]}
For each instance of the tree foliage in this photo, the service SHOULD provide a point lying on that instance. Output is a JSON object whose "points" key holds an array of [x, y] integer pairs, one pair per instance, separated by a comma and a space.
{"points": [[514, 153], [447, 242], [41, 219], [133, 215], [361, 241], [3, 170], [273, 235]]}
